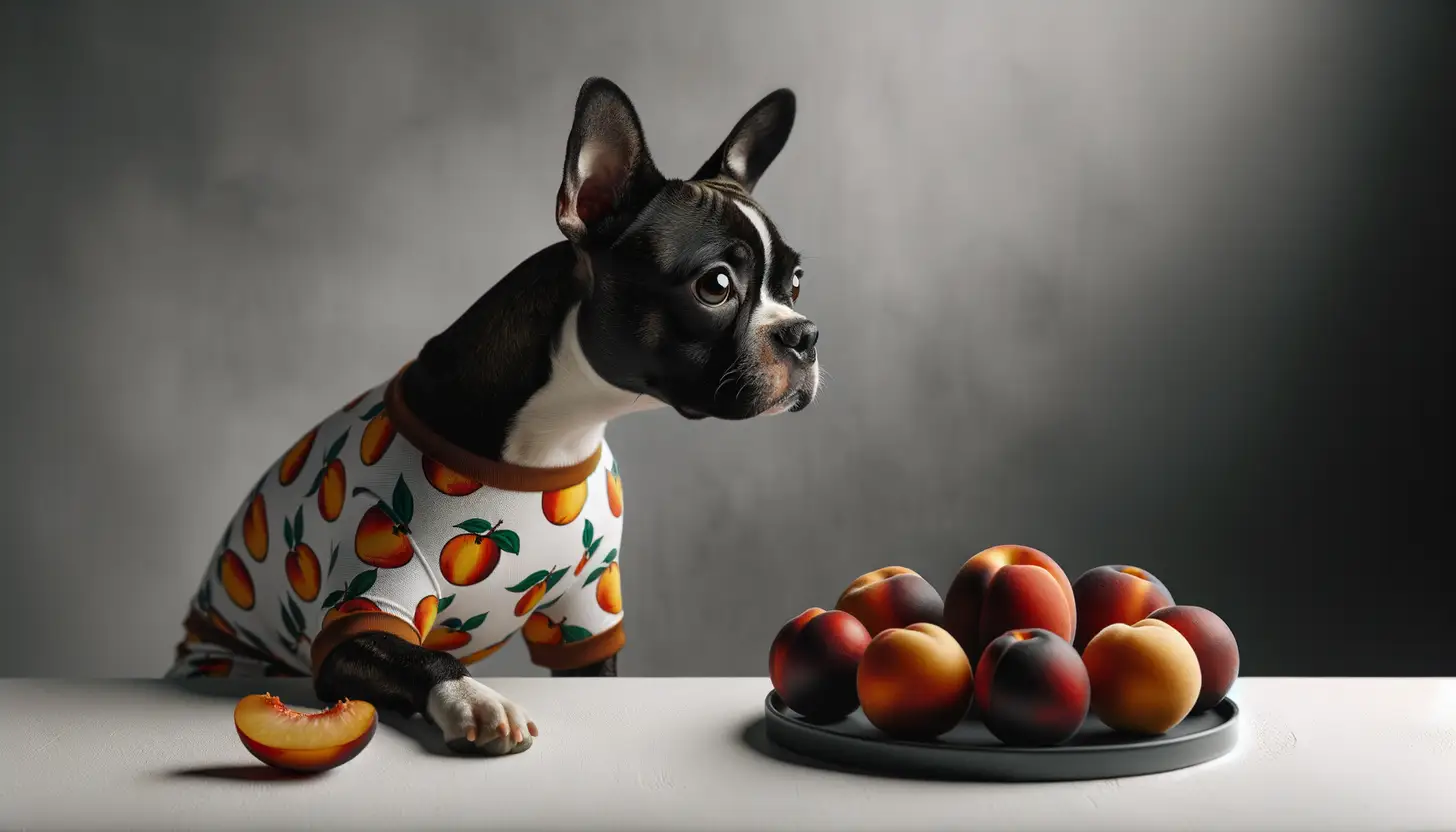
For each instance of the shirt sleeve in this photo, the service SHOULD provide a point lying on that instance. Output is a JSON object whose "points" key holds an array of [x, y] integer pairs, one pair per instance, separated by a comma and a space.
{"points": [[582, 625], [377, 580]]}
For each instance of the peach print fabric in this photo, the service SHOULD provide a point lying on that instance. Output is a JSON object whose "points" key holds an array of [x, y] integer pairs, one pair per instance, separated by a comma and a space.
{"points": [[356, 528]]}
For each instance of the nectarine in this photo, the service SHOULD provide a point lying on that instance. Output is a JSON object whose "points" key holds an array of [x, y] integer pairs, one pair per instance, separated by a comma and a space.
{"points": [[288, 739], [813, 661], [1007, 588], [1145, 676], [892, 597], [1213, 642], [915, 682], [1031, 688], [1115, 594]]}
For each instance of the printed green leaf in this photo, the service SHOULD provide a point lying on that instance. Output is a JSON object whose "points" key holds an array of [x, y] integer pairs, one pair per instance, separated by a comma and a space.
{"points": [[334, 449], [444, 602], [592, 549], [596, 573], [404, 502], [586, 534], [556, 576], [389, 512], [288, 532], [298, 526], [451, 623], [333, 558], [334, 599], [297, 614], [255, 641], [227, 536], [549, 603], [372, 412], [359, 489], [361, 583], [615, 473], [508, 540], [474, 621], [288, 620], [474, 525], [611, 556], [318, 479], [290, 646], [530, 581], [571, 632]]}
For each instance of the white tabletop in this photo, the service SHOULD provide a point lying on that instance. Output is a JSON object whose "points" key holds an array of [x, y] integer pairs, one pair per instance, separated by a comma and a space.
{"points": [[674, 754]]}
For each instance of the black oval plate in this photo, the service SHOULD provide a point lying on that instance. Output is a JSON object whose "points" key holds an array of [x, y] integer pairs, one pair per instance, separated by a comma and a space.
{"points": [[970, 752]]}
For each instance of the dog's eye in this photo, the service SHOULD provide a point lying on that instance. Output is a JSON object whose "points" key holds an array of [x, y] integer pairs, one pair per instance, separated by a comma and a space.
{"points": [[794, 284], [713, 288]]}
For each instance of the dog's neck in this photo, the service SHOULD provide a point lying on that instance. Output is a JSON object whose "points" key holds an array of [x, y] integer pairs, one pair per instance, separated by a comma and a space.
{"points": [[509, 379]]}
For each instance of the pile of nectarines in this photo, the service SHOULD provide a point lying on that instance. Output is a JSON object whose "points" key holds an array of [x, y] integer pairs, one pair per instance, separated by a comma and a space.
{"points": [[1013, 643]]}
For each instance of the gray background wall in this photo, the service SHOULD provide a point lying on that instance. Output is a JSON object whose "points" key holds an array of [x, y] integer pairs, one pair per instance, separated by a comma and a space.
{"points": [[1162, 284]]}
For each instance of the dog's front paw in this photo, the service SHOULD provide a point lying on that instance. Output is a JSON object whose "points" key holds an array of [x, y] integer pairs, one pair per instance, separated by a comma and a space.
{"points": [[477, 720]]}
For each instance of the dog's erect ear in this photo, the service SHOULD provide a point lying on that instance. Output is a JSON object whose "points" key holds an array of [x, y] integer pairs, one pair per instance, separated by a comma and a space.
{"points": [[608, 175], [755, 141]]}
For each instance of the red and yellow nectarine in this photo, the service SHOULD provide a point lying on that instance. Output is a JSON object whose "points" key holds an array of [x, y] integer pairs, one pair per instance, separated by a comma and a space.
{"points": [[1214, 645], [1007, 588], [813, 662], [1115, 594], [892, 597]]}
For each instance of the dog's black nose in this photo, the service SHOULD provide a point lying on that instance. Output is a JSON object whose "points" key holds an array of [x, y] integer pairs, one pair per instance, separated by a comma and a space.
{"points": [[800, 338]]}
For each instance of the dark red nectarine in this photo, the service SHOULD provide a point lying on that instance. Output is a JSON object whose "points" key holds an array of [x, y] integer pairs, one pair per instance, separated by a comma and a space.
{"points": [[1031, 688], [813, 661]]}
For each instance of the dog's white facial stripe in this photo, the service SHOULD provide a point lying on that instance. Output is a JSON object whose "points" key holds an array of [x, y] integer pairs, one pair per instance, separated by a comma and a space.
{"points": [[769, 311]]}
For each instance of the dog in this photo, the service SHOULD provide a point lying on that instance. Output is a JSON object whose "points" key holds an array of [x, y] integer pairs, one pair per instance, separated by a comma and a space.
{"points": [[472, 494]]}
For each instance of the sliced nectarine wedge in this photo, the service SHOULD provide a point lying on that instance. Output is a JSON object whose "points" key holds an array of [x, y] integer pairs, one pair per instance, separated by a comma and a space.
{"points": [[298, 741]]}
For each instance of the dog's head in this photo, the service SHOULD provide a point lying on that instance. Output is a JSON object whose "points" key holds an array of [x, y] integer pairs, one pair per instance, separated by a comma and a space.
{"points": [[692, 289]]}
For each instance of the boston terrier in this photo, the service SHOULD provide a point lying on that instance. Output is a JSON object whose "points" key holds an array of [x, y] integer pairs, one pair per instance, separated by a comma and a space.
{"points": [[471, 495]]}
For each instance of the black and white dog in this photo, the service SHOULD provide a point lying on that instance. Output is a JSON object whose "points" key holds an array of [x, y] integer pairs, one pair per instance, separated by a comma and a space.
{"points": [[665, 291]]}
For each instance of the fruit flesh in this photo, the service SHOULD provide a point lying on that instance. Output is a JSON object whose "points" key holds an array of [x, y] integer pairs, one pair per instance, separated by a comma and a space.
{"points": [[287, 738]]}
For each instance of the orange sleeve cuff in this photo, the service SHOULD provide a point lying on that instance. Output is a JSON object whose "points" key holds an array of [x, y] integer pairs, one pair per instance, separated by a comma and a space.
{"points": [[352, 625], [577, 654]]}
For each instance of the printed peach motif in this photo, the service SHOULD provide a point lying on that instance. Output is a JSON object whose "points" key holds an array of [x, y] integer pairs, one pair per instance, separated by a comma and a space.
{"points": [[349, 600], [255, 528], [329, 484], [378, 435], [232, 573], [562, 507], [591, 545], [452, 633], [301, 565], [425, 612], [382, 538], [486, 652], [608, 579], [292, 464], [211, 668], [470, 558], [306, 742], [614, 490], [446, 480], [540, 629], [534, 587]]}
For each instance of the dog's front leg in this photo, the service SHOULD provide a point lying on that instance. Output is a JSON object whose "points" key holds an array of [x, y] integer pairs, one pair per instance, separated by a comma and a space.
{"points": [[389, 672], [605, 667]]}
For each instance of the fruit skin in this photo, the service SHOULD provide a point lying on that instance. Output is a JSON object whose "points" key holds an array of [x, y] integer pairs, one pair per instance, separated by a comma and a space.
{"points": [[1117, 594], [892, 597], [302, 568], [609, 590], [331, 491], [915, 682], [292, 464], [381, 543], [562, 507], [813, 661], [271, 732], [1214, 645], [446, 480], [1145, 676], [1032, 689], [255, 528], [468, 559], [236, 582], [1008, 588]]}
